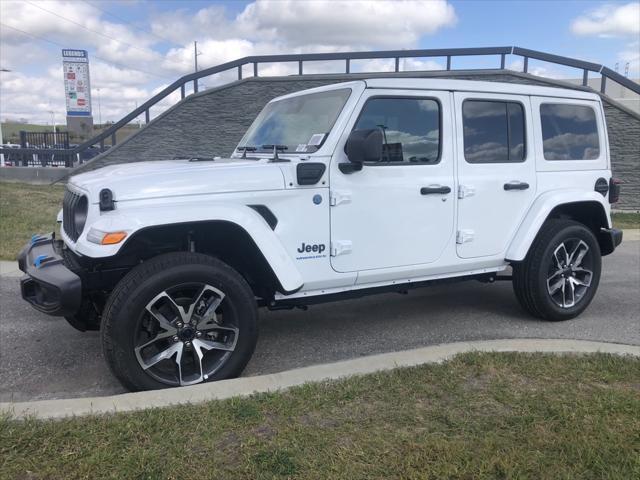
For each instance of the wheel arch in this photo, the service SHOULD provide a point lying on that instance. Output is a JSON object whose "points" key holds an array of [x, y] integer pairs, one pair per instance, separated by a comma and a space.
{"points": [[588, 208], [239, 236]]}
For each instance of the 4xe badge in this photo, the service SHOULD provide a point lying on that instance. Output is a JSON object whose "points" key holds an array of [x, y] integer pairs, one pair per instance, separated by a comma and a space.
{"points": [[311, 251]]}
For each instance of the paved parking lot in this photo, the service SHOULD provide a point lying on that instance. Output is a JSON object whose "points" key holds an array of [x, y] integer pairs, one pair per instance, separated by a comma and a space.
{"points": [[42, 357]]}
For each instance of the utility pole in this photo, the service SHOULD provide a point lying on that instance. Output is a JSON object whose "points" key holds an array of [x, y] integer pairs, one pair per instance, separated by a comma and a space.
{"points": [[195, 61], [53, 122], [138, 118], [1, 140], [99, 110]]}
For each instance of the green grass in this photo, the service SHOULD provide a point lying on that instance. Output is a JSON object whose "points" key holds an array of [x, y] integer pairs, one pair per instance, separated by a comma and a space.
{"points": [[25, 210], [626, 220], [478, 416]]}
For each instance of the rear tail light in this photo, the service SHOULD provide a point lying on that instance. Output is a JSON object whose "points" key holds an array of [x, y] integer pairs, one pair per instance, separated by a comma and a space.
{"points": [[614, 190]]}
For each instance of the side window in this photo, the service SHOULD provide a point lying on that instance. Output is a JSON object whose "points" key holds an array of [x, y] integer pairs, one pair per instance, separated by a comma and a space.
{"points": [[569, 132], [410, 128], [493, 131]]}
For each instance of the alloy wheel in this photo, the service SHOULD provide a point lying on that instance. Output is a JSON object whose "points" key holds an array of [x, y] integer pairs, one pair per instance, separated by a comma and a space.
{"points": [[570, 273], [182, 337]]}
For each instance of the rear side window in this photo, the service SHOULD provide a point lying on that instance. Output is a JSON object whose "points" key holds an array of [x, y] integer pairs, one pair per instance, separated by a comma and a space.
{"points": [[569, 132], [493, 131], [410, 128]]}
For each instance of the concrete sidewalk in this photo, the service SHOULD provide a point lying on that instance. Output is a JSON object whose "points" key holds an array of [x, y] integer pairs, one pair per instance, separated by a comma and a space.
{"points": [[52, 409]]}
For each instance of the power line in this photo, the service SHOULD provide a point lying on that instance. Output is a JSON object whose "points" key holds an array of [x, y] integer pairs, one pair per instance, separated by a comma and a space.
{"points": [[94, 56], [132, 24], [94, 31]]}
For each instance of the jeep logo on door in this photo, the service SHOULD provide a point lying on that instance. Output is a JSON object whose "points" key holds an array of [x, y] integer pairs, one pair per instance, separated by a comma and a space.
{"points": [[312, 250]]}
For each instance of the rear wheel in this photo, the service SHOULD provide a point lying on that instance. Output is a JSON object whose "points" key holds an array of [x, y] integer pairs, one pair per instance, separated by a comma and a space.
{"points": [[560, 275], [179, 319]]}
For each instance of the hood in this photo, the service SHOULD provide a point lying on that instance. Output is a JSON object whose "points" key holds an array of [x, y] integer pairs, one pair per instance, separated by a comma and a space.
{"points": [[170, 178]]}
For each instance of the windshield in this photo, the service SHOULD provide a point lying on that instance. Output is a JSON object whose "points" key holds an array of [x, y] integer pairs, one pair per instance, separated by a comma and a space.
{"points": [[297, 124]]}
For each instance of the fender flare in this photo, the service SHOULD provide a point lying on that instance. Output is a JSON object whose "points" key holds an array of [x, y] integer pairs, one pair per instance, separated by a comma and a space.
{"points": [[539, 212], [134, 220]]}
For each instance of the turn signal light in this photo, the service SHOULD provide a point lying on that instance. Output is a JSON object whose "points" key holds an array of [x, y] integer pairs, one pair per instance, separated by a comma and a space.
{"points": [[113, 237]]}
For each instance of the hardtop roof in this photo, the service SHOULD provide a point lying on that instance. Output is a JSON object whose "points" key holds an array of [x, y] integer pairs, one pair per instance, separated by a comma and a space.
{"points": [[478, 86]]}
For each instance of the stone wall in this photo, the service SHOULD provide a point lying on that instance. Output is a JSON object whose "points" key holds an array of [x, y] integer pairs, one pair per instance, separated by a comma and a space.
{"points": [[212, 122]]}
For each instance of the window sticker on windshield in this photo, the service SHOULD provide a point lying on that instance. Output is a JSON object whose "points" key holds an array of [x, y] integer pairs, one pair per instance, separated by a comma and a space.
{"points": [[316, 139], [301, 148]]}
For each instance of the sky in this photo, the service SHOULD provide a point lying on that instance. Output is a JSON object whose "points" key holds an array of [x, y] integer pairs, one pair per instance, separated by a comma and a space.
{"points": [[137, 47]]}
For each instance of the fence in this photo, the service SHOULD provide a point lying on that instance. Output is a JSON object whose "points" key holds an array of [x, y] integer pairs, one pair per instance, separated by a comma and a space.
{"points": [[254, 62]]}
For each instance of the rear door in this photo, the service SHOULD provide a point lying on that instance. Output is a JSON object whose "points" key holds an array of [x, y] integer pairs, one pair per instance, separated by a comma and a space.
{"points": [[496, 170]]}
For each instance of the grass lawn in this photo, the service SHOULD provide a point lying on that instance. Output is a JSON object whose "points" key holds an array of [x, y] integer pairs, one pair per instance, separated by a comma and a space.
{"points": [[626, 220], [28, 209], [480, 415], [25, 210]]}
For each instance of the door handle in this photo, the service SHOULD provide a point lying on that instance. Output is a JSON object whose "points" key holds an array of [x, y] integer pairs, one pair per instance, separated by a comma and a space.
{"points": [[516, 185], [435, 189]]}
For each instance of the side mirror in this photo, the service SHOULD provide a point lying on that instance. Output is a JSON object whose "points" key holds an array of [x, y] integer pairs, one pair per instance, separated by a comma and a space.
{"points": [[364, 146]]}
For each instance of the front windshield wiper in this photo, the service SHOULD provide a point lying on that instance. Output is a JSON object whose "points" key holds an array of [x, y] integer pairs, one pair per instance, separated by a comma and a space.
{"points": [[246, 149], [197, 159], [276, 148]]}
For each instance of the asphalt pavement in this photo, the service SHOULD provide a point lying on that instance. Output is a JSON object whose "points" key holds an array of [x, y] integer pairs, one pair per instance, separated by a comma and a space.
{"points": [[43, 357]]}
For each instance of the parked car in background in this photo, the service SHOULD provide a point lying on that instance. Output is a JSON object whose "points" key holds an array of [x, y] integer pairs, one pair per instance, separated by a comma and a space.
{"points": [[11, 159]]}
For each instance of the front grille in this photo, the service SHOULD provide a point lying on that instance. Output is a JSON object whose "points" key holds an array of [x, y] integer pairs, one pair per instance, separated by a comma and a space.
{"points": [[69, 204]]}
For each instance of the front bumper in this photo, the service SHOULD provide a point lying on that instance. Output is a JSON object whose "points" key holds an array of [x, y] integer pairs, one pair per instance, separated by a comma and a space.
{"points": [[49, 286], [609, 239]]}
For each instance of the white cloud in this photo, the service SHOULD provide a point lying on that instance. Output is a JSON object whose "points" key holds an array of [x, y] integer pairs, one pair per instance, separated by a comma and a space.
{"points": [[609, 20], [541, 71], [127, 63], [305, 25], [387, 24]]}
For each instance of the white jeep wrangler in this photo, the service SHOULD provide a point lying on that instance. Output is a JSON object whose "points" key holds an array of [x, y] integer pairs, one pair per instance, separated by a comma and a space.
{"points": [[335, 192]]}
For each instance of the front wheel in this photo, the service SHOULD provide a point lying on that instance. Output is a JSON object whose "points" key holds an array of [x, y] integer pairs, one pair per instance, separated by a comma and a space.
{"points": [[179, 319], [560, 275]]}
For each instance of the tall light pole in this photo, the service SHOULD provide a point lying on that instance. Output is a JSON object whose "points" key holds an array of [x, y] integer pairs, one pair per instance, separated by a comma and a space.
{"points": [[53, 122], [1, 140]]}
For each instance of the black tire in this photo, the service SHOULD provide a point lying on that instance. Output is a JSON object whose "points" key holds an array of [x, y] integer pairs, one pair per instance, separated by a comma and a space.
{"points": [[126, 308], [531, 276]]}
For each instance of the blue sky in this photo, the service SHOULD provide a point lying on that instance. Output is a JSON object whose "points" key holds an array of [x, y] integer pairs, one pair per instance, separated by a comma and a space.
{"points": [[138, 46]]}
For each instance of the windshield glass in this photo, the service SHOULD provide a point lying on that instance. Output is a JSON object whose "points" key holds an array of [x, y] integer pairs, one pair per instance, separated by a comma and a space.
{"points": [[299, 123]]}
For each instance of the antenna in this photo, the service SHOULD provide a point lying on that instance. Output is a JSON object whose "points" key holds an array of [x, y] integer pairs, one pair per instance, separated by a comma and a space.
{"points": [[626, 69], [616, 67]]}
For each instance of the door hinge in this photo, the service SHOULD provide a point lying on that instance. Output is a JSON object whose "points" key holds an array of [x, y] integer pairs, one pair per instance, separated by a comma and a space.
{"points": [[465, 191], [464, 236], [337, 197], [341, 247]]}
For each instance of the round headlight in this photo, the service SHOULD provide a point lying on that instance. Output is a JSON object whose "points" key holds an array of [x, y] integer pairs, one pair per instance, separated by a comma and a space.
{"points": [[80, 214]]}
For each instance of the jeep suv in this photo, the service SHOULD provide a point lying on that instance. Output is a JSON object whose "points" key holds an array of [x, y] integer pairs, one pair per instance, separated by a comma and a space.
{"points": [[345, 190]]}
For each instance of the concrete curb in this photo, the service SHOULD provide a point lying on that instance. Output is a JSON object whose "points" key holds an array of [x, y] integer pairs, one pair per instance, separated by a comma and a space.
{"points": [[9, 269], [55, 409]]}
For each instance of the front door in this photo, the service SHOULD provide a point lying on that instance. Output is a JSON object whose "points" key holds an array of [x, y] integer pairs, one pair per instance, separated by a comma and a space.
{"points": [[398, 211], [496, 170]]}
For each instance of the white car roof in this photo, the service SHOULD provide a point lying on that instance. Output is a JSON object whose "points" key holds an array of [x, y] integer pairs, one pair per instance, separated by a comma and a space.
{"points": [[478, 86], [409, 83]]}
